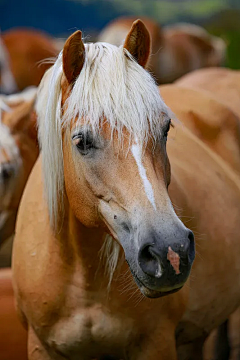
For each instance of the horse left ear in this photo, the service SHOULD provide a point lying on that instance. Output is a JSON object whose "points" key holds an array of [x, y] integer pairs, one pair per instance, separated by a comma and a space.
{"points": [[73, 56], [138, 42]]}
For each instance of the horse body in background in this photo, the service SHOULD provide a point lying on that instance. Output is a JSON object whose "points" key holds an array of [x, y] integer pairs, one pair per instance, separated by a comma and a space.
{"points": [[222, 87], [21, 54], [177, 49], [60, 283], [18, 153], [209, 118], [221, 83]]}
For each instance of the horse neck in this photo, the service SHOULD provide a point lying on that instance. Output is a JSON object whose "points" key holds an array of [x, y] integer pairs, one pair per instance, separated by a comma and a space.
{"points": [[82, 247]]}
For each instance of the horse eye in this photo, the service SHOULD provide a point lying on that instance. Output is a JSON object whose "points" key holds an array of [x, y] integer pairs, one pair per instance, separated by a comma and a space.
{"points": [[83, 142], [166, 130]]}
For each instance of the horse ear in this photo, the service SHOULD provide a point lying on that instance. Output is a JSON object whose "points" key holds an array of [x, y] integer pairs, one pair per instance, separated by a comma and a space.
{"points": [[73, 56], [138, 42], [22, 118]]}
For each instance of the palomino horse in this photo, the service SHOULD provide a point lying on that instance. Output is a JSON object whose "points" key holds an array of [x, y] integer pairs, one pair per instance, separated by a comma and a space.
{"points": [[21, 54], [208, 118], [106, 174], [18, 153], [176, 50], [222, 85], [219, 128]]}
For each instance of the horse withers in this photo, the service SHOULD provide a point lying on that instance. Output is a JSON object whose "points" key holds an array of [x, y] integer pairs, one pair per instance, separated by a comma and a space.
{"points": [[103, 130]]}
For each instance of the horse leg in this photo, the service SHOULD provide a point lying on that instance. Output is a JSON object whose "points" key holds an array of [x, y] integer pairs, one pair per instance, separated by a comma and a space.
{"points": [[222, 345], [153, 354], [159, 346], [192, 350]]}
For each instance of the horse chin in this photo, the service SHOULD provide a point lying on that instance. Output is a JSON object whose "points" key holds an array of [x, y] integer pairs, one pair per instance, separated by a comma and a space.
{"points": [[153, 294]]}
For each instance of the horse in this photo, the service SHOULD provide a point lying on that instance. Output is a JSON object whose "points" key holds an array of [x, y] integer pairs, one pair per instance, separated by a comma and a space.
{"points": [[13, 337], [208, 117], [22, 55], [223, 343], [218, 126], [18, 152], [104, 198], [223, 85], [177, 49]]}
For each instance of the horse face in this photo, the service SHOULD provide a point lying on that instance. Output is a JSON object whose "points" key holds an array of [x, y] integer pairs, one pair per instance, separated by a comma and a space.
{"points": [[121, 185], [126, 190]]}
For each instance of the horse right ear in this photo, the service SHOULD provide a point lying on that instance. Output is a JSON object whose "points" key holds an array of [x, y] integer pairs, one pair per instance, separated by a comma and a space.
{"points": [[138, 43], [73, 57]]}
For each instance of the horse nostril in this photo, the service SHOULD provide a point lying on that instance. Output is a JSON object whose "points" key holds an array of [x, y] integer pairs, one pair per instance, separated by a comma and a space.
{"points": [[191, 253], [149, 261]]}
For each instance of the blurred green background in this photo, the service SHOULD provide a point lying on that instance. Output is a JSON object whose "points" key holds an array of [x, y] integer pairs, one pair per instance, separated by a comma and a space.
{"points": [[219, 17], [61, 17]]}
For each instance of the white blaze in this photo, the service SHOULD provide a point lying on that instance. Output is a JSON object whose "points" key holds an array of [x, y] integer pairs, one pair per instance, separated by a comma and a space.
{"points": [[137, 154]]}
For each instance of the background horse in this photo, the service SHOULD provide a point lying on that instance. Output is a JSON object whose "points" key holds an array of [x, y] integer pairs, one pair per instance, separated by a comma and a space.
{"points": [[176, 49], [18, 153], [209, 118], [66, 317], [22, 52], [222, 85]]}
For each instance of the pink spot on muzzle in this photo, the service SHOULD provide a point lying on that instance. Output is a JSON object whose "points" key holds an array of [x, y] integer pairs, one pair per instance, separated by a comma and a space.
{"points": [[174, 259]]}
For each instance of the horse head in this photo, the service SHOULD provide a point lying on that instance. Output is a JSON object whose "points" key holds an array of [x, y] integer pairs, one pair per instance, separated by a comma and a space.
{"points": [[103, 138]]}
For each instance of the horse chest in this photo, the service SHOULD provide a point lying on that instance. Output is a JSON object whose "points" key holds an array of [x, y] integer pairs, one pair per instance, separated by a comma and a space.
{"points": [[91, 332]]}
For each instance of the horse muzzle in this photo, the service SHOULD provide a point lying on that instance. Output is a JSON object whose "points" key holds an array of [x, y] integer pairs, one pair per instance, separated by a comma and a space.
{"points": [[163, 266]]}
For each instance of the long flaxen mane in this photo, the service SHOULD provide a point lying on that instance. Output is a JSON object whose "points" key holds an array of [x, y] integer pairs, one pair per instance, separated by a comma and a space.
{"points": [[111, 87], [7, 143]]}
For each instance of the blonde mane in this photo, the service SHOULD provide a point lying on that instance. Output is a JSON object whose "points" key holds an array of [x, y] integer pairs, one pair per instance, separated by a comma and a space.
{"points": [[6, 139], [111, 87], [7, 142], [9, 151], [8, 83], [8, 145]]}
